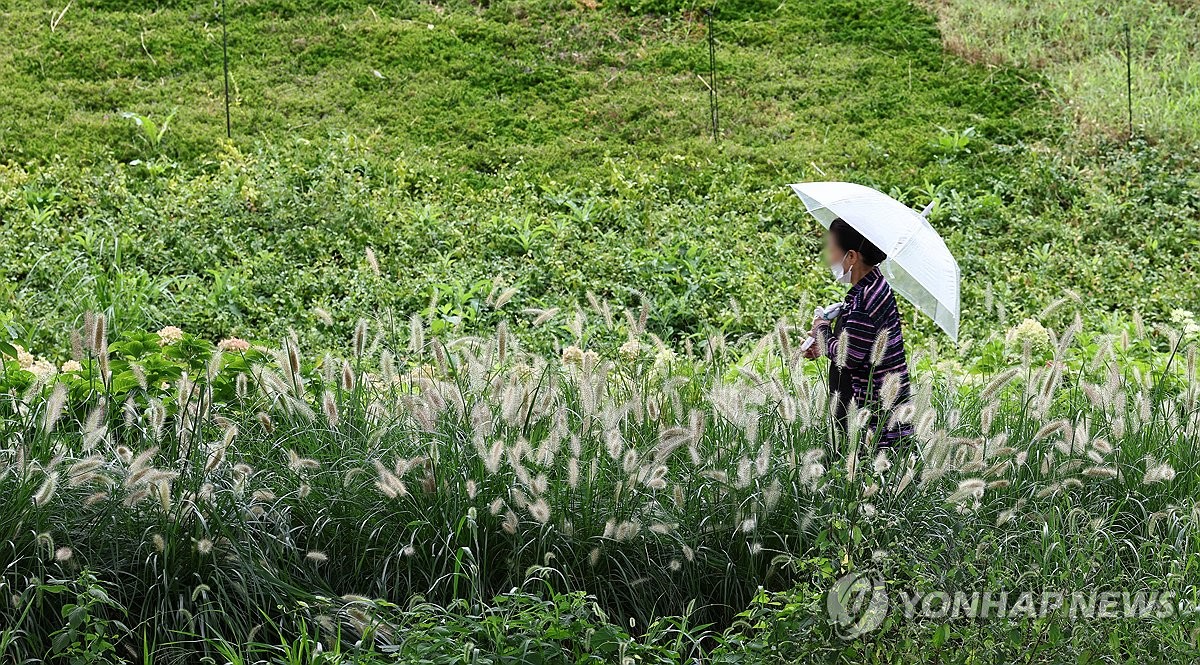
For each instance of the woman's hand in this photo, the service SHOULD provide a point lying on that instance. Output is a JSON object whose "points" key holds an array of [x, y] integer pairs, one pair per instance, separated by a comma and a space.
{"points": [[819, 329]]}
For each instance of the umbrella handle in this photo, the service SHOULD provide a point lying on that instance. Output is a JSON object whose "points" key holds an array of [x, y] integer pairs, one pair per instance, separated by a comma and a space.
{"points": [[828, 313]]}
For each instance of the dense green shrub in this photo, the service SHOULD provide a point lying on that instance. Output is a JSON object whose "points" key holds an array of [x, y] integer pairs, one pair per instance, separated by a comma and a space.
{"points": [[258, 242], [557, 148]]}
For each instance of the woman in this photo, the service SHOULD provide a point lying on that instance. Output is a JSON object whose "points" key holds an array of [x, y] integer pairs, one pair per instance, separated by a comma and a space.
{"points": [[865, 343]]}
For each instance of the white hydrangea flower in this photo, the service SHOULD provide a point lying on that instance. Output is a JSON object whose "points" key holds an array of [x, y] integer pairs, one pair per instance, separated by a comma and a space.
{"points": [[1032, 332], [572, 355], [631, 350], [169, 335]]}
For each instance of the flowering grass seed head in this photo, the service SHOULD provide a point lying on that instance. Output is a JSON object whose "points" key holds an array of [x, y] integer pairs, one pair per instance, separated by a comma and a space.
{"points": [[879, 347], [1157, 472], [372, 261], [330, 407], [54, 407], [843, 349]]}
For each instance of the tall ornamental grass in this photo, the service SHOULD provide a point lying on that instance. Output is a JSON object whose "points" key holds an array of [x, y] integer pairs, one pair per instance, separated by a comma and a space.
{"points": [[225, 491]]}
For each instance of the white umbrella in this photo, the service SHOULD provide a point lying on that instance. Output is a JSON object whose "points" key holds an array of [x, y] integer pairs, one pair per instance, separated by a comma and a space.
{"points": [[918, 267]]}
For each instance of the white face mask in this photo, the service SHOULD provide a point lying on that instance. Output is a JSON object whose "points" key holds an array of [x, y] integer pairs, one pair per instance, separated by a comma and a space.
{"points": [[840, 272]]}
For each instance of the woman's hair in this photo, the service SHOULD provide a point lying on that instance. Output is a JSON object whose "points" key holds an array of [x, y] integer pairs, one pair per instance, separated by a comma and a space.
{"points": [[849, 239]]}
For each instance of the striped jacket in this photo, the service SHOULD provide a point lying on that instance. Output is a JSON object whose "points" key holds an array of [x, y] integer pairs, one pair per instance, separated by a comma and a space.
{"points": [[859, 369]]}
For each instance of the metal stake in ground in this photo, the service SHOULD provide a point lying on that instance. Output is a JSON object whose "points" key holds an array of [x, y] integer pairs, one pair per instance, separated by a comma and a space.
{"points": [[225, 58], [1129, 77], [712, 76]]}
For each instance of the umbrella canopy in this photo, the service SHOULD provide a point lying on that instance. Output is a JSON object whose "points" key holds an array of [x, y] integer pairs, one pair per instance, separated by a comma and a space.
{"points": [[918, 267]]}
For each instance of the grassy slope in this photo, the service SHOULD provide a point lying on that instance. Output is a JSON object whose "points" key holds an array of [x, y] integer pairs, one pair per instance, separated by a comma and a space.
{"points": [[538, 81], [1085, 59], [560, 148]]}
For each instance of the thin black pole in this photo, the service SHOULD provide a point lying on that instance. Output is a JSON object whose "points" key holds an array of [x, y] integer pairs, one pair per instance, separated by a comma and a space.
{"points": [[1129, 77], [714, 116], [225, 57]]}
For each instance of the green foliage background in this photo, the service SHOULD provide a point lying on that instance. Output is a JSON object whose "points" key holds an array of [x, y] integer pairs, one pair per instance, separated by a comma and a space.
{"points": [[563, 148], [557, 148]]}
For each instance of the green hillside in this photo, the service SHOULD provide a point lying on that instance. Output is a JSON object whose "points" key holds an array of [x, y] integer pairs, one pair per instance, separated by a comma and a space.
{"points": [[547, 145]]}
